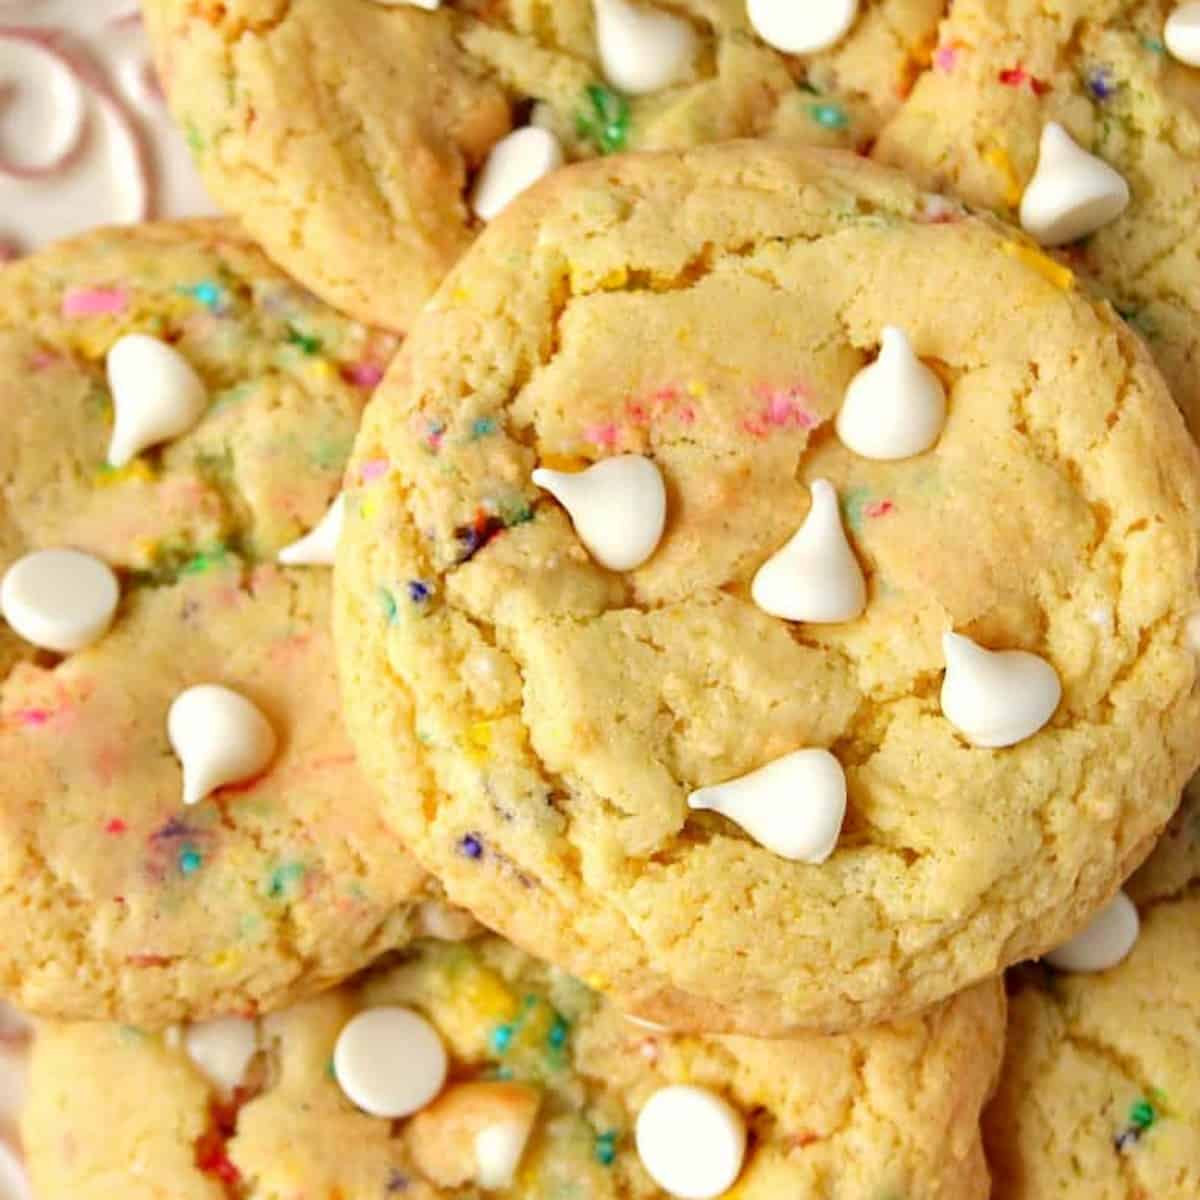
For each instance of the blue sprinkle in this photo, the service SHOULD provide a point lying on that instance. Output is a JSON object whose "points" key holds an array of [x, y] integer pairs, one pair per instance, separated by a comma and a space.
{"points": [[557, 1037], [502, 1037], [830, 116], [208, 294], [418, 591], [471, 846], [189, 860], [482, 427]]}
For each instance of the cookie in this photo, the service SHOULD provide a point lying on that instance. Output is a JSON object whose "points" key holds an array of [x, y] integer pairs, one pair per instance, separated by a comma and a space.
{"points": [[972, 126], [539, 725], [359, 181], [119, 900], [890, 1111], [1099, 1096]]}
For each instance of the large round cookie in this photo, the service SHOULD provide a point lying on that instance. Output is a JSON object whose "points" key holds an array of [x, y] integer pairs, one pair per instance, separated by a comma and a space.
{"points": [[536, 722], [1100, 1096], [347, 135], [892, 1111], [1003, 68], [116, 900]]}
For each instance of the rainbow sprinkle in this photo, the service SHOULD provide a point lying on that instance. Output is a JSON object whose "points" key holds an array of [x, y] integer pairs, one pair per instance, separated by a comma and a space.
{"points": [[604, 119]]}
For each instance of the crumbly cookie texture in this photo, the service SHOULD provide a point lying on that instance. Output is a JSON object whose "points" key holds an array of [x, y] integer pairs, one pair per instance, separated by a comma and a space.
{"points": [[356, 177], [1002, 69], [536, 722], [116, 900], [889, 1111], [1099, 1096]]}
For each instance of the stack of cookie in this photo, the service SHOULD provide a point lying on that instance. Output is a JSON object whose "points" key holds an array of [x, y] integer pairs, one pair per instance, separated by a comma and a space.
{"points": [[765, 612]]}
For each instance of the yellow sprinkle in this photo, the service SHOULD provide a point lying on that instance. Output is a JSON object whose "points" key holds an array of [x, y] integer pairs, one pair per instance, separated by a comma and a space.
{"points": [[1062, 277], [460, 295], [138, 469], [368, 508], [478, 741], [596, 982], [485, 992], [226, 960], [615, 279], [320, 368], [996, 157], [145, 551], [696, 388]]}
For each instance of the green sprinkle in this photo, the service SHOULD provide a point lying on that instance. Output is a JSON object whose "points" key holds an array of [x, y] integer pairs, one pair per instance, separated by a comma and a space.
{"points": [[853, 503], [604, 119], [307, 343], [388, 601], [190, 860], [606, 1148], [830, 116], [283, 879], [1154, 45], [515, 512], [1142, 1115], [557, 1037], [330, 1070], [194, 140], [502, 1037], [205, 561]]}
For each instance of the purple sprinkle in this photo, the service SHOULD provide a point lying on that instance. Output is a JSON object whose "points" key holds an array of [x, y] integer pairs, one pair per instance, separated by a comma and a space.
{"points": [[1100, 84], [418, 591], [397, 1182], [174, 828], [471, 845]]}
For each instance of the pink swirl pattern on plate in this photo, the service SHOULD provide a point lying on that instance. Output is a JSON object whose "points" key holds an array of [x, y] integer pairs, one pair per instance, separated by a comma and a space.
{"points": [[85, 138]]}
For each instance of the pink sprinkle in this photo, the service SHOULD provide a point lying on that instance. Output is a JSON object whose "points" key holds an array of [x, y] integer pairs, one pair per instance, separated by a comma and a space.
{"points": [[667, 395], [372, 469], [687, 414], [116, 825], [945, 57], [879, 508], [602, 435], [364, 375], [91, 302], [639, 414], [34, 716], [43, 359]]}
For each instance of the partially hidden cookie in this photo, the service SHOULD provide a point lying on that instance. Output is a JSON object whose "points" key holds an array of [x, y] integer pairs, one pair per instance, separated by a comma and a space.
{"points": [[1099, 1096], [547, 733], [1002, 70], [118, 899], [349, 136], [256, 1109]]}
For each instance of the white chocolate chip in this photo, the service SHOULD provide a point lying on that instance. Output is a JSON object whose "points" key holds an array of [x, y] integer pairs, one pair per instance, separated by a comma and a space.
{"points": [[896, 407], [14, 1184], [1181, 34], [801, 26], [691, 1142], [793, 806], [222, 1050], [516, 162], [1072, 193], [156, 395], [815, 577], [318, 547], [996, 698], [60, 600], [498, 1150], [642, 48], [390, 1062], [219, 736], [1103, 942], [618, 507]]}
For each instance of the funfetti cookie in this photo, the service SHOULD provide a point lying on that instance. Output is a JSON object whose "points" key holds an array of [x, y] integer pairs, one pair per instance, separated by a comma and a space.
{"points": [[1099, 1096], [682, 675], [518, 1082], [366, 143], [1081, 122], [183, 828]]}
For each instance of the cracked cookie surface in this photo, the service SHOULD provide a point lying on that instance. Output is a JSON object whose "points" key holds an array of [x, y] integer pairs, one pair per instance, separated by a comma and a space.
{"points": [[1099, 1096], [535, 722], [1002, 69], [886, 1112], [346, 135], [116, 899]]}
